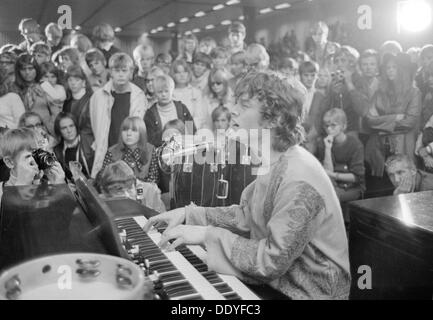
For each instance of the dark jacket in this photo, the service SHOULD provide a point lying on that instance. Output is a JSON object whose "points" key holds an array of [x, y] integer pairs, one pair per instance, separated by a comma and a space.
{"points": [[86, 162], [153, 121], [84, 128]]}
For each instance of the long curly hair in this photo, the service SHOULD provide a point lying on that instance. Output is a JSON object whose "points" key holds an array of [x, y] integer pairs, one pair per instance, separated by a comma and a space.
{"points": [[281, 104]]}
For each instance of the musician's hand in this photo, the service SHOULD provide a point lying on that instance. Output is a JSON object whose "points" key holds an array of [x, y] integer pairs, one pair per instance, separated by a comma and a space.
{"points": [[173, 218], [55, 174], [183, 234]]}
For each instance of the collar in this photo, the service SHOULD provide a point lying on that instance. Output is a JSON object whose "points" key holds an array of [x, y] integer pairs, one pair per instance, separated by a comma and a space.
{"points": [[71, 145], [108, 87]]}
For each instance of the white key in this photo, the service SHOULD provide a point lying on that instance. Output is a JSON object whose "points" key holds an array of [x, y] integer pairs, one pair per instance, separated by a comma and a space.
{"points": [[242, 290]]}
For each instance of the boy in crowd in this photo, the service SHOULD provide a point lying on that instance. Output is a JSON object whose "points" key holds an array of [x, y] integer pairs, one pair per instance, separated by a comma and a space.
{"points": [[111, 104], [236, 34], [342, 157], [31, 32], [201, 65], [165, 110], [405, 177], [41, 52], [54, 36], [342, 93], [144, 58], [163, 61], [17, 146], [238, 68], [426, 57], [312, 122], [104, 37], [206, 45], [219, 56], [96, 62]]}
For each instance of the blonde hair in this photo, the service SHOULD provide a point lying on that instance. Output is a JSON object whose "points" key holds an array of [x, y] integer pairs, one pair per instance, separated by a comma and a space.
{"points": [[336, 114], [15, 141], [164, 81], [257, 55], [120, 60], [136, 124], [114, 174], [141, 48]]}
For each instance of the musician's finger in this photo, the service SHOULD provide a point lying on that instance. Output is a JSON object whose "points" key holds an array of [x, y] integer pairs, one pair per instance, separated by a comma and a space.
{"points": [[168, 235], [176, 243], [152, 221]]}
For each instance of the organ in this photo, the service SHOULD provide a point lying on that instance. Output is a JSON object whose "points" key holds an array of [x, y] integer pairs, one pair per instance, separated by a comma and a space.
{"points": [[48, 219]]}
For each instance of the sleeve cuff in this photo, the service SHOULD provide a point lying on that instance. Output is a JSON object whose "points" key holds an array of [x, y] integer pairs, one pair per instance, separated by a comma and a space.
{"points": [[195, 215]]}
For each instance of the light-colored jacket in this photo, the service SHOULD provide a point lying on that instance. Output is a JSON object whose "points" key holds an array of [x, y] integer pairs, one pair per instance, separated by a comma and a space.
{"points": [[100, 106]]}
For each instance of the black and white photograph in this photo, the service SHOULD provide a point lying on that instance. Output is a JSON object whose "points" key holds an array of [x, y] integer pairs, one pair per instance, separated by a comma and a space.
{"points": [[237, 152]]}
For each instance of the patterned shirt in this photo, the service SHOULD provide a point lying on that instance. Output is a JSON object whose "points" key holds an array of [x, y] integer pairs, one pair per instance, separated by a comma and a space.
{"points": [[132, 158], [280, 232]]}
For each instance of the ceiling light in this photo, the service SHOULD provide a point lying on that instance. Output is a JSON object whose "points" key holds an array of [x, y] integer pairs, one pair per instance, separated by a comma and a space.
{"points": [[171, 24], [118, 29], [196, 30], [218, 7], [200, 14], [77, 28], [226, 22], [241, 18], [153, 31], [265, 10], [210, 26], [188, 32], [232, 2], [183, 20], [283, 6], [159, 28]]}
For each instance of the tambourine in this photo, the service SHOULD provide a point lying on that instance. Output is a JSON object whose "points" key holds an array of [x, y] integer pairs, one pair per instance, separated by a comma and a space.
{"points": [[75, 276]]}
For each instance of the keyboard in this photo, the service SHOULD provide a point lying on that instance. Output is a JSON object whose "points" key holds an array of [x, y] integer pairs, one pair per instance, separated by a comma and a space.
{"points": [[183, 272]]}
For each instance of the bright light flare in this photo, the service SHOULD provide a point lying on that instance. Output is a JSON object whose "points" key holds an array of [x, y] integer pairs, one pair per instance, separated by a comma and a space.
{"points": [[413, 15]]}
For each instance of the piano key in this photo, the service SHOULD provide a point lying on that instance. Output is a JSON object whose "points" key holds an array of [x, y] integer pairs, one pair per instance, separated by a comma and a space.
{"points": [[170, 265], [196, 255]]}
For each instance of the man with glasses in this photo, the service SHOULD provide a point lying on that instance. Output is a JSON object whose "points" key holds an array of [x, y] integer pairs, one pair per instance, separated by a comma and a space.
{"points": [[30, 30]]}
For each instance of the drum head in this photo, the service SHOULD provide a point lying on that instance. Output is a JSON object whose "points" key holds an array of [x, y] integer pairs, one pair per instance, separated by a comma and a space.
{"points": [[76, 276]]}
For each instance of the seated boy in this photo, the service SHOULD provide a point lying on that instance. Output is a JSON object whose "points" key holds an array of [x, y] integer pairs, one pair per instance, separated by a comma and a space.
{"points": [[342, 156], [96, 62], [118, 180], [111, 104]]}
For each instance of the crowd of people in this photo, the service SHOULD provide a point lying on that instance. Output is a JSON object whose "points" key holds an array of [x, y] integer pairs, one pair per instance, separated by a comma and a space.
{"points": [[367, 114]]}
